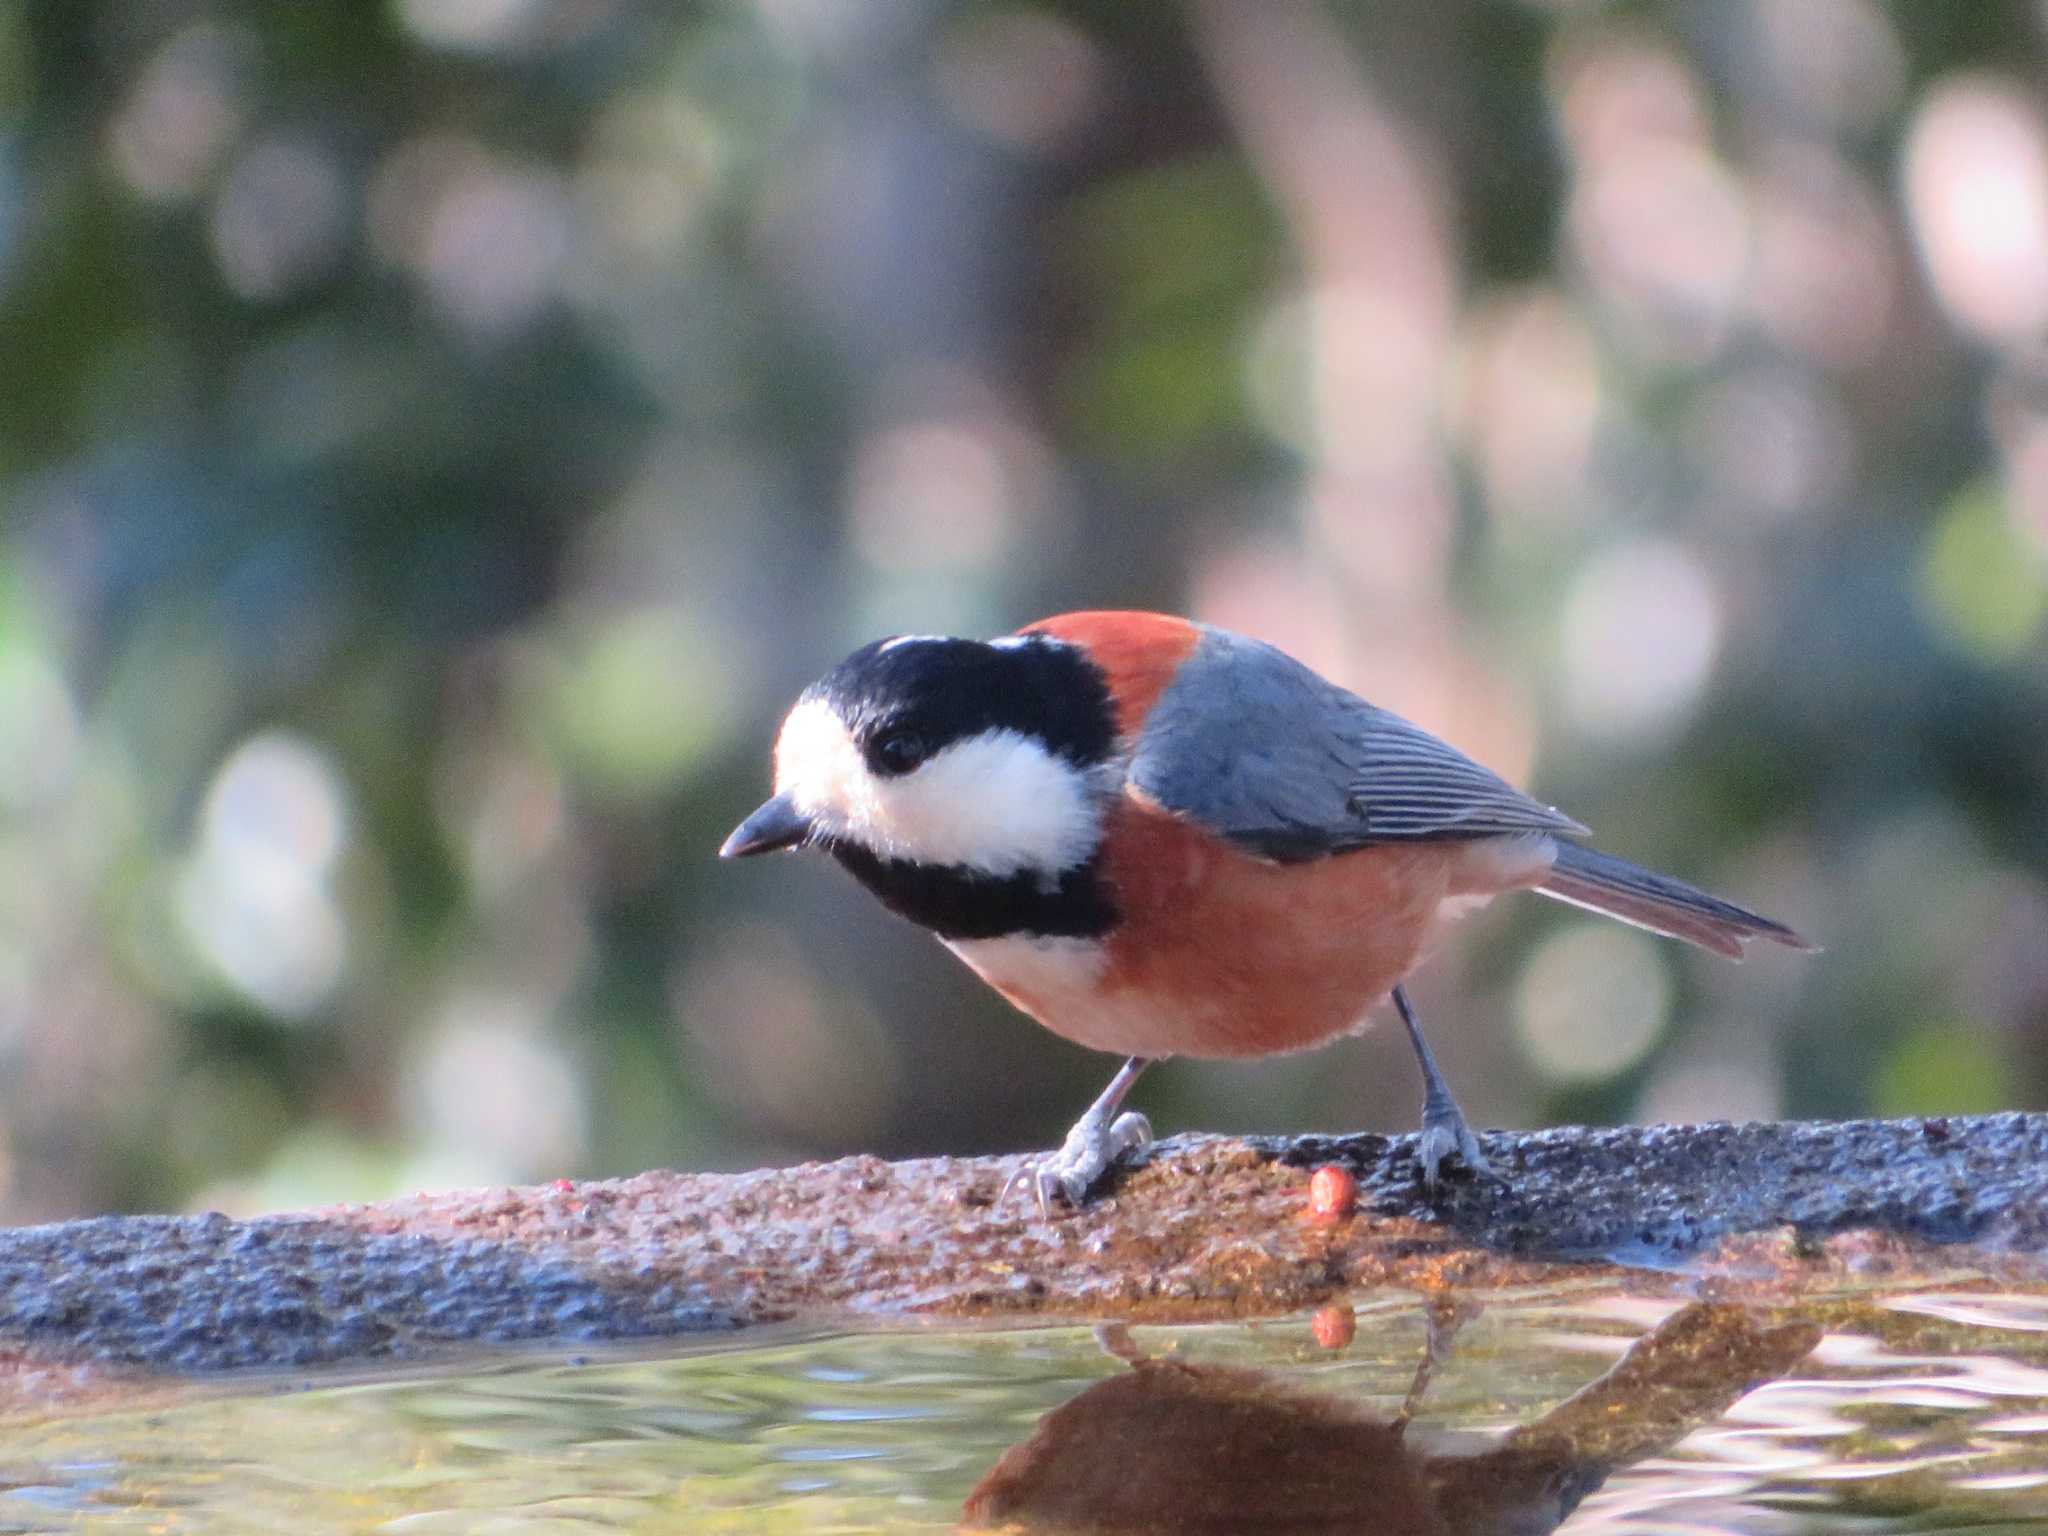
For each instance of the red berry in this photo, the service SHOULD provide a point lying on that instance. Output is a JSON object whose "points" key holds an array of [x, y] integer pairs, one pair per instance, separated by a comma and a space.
{"points": [[1333, 1326], [564, 1187], [1332, 1192]]}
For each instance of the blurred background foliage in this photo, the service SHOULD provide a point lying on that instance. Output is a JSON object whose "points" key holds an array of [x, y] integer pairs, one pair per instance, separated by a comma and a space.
{"points": [[437, 437]]}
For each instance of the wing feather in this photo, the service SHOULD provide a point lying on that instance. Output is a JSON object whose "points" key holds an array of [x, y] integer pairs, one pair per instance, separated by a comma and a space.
{"points": [[1261, 750]]}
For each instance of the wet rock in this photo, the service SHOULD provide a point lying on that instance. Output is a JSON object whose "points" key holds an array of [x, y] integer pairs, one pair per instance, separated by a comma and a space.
{"points": [[1201, 1227]]}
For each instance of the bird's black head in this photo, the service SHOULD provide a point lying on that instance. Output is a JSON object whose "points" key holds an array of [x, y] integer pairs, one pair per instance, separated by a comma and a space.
{"points": [[907, 699], [955, 778]]}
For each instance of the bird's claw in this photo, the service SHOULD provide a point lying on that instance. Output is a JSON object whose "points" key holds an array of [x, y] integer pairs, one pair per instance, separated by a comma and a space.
{"points": [[1089, 1151], [1446, 1135]]}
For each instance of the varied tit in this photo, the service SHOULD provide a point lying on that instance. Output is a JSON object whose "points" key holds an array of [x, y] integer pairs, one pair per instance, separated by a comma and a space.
{"points": [[1160, 838]]}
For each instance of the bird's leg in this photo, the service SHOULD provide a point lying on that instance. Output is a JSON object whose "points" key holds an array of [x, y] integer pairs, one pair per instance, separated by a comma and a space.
{"points": [[1444, 1129], [1443, 1316], [1098, 1139]]}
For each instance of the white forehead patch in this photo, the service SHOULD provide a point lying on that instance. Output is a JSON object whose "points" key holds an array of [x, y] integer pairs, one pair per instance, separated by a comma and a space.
{"points": [[997, 802]]}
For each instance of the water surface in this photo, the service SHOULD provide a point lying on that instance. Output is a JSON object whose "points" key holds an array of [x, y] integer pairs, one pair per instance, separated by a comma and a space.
{"points": [[1922, 1411]]}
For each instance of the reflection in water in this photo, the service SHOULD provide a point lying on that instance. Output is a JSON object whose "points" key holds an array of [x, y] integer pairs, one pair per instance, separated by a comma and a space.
{"points": [[1921, 1410], [1170, 1447]]}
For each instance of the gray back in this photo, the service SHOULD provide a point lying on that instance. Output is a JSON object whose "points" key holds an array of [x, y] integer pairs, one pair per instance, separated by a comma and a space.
{"points": [[1259, 749]]}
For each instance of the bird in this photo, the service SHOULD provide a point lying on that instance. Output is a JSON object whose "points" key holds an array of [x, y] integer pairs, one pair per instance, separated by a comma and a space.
{"points": [[1158, 837]]}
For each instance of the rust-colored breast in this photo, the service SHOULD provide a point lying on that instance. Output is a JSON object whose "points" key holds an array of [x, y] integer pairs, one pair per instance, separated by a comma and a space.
{"points": [[1231, 955], [1140, 652]]}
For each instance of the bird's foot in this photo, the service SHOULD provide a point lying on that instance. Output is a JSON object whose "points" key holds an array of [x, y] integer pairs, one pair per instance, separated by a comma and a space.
{"points": [[1091, 1148], [1445, 1134]]}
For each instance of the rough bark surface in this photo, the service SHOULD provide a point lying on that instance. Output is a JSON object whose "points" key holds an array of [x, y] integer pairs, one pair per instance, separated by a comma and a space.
{"points": [[1203, 1227]]}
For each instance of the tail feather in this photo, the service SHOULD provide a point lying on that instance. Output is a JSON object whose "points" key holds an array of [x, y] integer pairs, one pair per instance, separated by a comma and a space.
{"points": [[1616, 888]]}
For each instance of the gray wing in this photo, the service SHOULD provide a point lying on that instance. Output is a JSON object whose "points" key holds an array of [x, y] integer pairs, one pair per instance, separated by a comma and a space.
{"points": [[1259, 749]]}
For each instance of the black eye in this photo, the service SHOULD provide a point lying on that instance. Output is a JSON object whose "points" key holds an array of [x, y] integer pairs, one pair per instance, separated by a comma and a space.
{"points": [[900, 751]]}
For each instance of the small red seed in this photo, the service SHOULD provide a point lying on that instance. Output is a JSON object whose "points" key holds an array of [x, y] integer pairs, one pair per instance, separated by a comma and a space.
{"points": [[564, 1186], [1334, 1326], [1332, 1192]]}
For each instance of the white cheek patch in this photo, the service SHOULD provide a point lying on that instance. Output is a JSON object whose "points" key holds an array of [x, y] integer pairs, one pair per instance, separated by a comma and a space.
{"points": [[998, 802]]}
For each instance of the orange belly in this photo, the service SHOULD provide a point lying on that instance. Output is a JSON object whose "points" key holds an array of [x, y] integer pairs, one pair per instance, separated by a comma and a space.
{"points": [[1221, 954]]}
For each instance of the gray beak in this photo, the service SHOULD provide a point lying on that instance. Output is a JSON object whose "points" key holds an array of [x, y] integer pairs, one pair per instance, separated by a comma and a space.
{"points": [[778, 824]]}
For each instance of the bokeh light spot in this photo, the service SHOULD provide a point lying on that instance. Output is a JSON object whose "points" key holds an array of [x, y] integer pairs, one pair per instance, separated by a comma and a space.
{"points": [[1023, 76], [1983, 583], [656, 161], [1825, 281], [321, 1163], [490, 1096], [38, 729], [488, 239], [1837, 61], [1775, 441], [182, 114], [1333, 372], [255, 897], [944, 492], [1976, 175], [636, 697], [1527, 401], [1689, 1092], [280, 220], [1945, 1068], [1615, 91], [1591, 1002], [1664, 232], [500, 26], [1641, 630]]}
